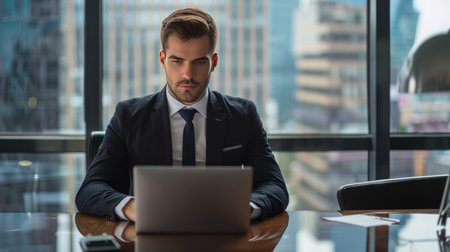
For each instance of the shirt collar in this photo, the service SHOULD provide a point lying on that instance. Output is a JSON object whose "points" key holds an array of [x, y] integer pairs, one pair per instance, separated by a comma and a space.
{"points": [[175, 105]]}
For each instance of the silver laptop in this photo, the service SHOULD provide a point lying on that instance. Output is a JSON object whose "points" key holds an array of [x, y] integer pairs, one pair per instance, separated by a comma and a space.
{"points": [[191, 199]]}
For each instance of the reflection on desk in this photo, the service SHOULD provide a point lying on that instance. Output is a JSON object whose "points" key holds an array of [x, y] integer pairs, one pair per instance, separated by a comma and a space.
{"points": [[291, 231], [261, 236]]}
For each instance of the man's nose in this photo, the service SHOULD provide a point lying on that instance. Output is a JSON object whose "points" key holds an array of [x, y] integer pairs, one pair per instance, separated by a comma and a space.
{"points": [[188, 71]]}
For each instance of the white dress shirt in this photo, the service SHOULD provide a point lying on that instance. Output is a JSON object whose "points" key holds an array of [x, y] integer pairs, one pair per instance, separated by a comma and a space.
{"points": [[177, 125]]}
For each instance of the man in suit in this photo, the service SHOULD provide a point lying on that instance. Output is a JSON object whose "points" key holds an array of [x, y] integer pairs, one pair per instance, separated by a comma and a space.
{"points": [[149, 130]]}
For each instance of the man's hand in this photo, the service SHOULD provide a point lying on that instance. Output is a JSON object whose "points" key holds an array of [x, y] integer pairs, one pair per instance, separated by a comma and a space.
{"points": [[129, 234], [129, 212]]}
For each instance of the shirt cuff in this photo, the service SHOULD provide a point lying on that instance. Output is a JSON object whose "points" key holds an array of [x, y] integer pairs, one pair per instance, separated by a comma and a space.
{"points": [[119, 208], [256, 211], [118, 231]]}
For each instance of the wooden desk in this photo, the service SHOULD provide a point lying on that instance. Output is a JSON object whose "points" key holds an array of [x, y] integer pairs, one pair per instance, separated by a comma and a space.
{"points": [[291, 231]]}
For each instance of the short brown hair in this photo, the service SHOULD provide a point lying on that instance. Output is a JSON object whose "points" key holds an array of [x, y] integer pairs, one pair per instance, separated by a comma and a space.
{"points": [[187, 23]]}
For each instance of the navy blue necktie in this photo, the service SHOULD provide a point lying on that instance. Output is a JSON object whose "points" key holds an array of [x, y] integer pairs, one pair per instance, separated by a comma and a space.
{"points": [[188, 136]]}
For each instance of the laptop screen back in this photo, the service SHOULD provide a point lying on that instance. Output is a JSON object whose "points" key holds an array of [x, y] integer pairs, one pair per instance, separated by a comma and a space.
{"points": [[192, 200]]}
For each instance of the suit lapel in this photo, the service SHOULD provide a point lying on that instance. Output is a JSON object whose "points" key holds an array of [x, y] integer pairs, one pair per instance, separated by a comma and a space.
{"points": [[159, 120], [215, 130]]}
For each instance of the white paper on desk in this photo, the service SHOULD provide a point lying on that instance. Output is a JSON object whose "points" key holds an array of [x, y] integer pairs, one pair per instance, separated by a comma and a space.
{"points": [[363, 220]]}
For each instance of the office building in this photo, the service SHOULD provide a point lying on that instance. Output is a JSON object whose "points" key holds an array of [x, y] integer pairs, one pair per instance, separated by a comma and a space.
{"points": [[330, 49]]}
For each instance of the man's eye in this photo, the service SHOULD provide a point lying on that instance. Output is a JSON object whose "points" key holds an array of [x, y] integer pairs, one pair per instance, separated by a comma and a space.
{"points": [[201, 62], [176, 61]]}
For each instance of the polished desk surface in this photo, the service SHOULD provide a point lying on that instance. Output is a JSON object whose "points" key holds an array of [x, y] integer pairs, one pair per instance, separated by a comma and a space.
{"points": [[289, 231]]}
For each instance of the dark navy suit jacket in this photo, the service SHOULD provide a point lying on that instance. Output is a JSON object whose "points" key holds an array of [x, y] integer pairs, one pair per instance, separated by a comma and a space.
{"points": [[139, 133]]}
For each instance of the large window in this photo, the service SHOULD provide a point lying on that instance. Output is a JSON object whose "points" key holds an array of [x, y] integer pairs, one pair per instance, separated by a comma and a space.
{"points": [[39, 182], [302, 62], [413, 22], [41, 66], [419, 163], [308, 66], [313, 178], [41, 104]]}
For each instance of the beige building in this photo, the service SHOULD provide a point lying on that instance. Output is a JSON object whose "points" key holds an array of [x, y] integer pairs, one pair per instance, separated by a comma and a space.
{"points": [[330, 47]]}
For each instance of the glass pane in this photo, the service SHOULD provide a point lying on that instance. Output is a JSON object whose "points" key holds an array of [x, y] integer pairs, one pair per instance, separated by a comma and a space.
{"points": [[302, 62], [412, 23], [313, 178], [419, 163], [40, 182], [41, 66]]}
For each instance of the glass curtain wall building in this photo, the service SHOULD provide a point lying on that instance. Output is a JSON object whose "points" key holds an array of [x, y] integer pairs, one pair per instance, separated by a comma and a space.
{"points": [[304, 63]]}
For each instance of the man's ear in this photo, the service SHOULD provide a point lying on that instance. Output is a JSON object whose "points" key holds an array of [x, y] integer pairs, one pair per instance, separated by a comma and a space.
{"points": [[162, 58], [215, 59]]}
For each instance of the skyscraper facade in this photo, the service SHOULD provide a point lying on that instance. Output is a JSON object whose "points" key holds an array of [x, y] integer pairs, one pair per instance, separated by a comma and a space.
{"points": [[330, 49], [331, 94], [29, 58]]}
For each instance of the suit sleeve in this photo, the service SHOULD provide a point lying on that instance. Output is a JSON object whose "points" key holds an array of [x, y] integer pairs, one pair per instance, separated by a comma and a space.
{"points": [[107, 180], [269, 190]]}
